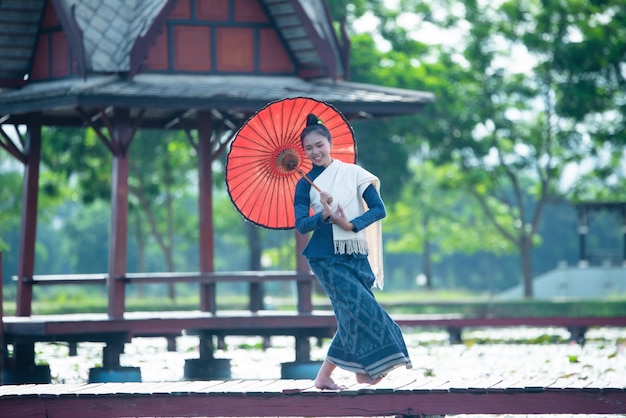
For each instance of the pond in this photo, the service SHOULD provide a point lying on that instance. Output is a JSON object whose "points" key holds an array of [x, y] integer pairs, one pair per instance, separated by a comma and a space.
{"points": [[508, 357]]}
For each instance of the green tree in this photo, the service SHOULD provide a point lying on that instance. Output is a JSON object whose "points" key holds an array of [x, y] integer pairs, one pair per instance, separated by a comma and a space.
{"points": [[514, 132], [160, 165], [10, 202], [437, 219], [159, 178]]}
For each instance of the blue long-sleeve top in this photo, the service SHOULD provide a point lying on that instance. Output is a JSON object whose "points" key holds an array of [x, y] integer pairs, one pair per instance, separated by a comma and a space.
{"points": [[321, 242]]}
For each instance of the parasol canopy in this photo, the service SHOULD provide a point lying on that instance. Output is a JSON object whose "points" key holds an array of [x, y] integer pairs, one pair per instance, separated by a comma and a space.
{"points": [[266, 158]]}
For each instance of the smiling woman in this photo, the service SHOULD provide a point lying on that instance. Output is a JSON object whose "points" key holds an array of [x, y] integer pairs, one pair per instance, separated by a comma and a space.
{"points": [[266, 158]]}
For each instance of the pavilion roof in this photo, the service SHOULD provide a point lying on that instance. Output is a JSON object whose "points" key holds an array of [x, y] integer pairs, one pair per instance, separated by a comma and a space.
{"points": [[166, 98], [102, 35]]}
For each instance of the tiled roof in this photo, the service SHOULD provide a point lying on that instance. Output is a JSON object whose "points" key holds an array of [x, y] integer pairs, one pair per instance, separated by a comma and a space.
{"points": [[306, 28], [19, 25], [108, 30], [163, 94]]}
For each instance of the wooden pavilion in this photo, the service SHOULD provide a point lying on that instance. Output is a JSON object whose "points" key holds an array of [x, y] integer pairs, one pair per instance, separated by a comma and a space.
{"points": [[203, 66], [586, 211]]}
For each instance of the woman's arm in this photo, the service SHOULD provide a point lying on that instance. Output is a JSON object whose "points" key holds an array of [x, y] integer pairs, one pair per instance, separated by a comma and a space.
{"points": [[302, 208], [376, 209]]}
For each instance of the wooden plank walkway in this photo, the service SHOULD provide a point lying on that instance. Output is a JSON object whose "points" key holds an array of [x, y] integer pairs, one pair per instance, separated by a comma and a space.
{"points": [[298, 398]]}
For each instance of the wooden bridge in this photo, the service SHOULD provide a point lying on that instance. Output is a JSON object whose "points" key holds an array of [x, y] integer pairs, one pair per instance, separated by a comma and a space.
{"points": [[261, 398], [24, 331]]}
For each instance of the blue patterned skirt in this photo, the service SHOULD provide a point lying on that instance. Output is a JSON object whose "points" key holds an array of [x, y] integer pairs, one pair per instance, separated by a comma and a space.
{"points": [[367, 339]]}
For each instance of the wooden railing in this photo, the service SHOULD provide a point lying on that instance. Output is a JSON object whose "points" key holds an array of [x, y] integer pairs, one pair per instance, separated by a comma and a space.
{"points": [[303, 281]]}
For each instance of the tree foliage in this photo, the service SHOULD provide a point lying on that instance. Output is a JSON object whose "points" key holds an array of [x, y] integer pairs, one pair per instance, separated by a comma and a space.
{"points": [[529, 93], [509, 112]]}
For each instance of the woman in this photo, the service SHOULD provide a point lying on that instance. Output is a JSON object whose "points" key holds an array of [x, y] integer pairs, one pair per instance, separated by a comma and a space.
{"points": [[367, 342]]}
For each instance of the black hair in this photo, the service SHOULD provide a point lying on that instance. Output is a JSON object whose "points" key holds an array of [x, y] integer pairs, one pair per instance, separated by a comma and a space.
{"points": [[314, 124]]}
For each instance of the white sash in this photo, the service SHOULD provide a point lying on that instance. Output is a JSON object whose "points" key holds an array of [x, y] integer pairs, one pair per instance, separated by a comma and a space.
{"points": [[346, 183]]}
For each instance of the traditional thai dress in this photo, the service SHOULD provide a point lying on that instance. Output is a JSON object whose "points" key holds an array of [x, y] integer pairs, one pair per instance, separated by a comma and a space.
{"points": [[367, 339]]}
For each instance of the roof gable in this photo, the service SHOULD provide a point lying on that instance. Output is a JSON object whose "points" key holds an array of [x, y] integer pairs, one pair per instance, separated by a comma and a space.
{"points": [[110, 29], [229, 37], [116, 36]]}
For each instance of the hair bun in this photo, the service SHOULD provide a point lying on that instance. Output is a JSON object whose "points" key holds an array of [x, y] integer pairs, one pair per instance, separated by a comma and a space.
{"points": [[311, 119]]}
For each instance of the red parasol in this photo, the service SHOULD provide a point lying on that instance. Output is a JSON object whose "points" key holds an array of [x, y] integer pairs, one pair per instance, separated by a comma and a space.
{"points": [[266, 158]]}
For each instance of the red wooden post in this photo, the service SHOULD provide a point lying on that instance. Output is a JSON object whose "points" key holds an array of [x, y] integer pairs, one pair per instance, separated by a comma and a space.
{"points": [[30, 190], [305, 302], [119, 213], [2, 353], [204, 124], [305, 288], [205, 209]]}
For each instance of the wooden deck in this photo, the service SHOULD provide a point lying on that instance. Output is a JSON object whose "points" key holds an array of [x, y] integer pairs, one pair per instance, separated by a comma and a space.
{"points": [[260, 398]]}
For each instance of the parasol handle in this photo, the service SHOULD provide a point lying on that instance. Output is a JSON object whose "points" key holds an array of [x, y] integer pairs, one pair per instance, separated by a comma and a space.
{"points": [[312, 184], [304, 176]]}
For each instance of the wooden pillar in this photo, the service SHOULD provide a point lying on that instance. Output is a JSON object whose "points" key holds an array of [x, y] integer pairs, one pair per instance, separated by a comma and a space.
{"points": [[255, 290], [2, 351], [205, 209], [305, 288], [305, 300], [30, 190], [112, 351], [205, 215], [120, 138]]}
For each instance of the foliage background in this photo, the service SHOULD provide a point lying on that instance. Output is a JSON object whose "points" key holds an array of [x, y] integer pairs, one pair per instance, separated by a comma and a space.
{"points": [[479, 188]]}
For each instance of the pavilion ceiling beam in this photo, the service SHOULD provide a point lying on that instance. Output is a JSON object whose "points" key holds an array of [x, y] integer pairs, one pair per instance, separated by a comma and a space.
{"points": [[117, 147], [229, 123], [190, 137], [136, 124], [9, 145], [195, 141], [89, 121], [224, 124], [103, 115], [220, 144], [124, 142], [178, 118]]}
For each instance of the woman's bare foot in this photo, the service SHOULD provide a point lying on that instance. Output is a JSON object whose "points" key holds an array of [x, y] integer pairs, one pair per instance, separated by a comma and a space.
{"points": [[367, 379], [323, 382], [323, 379]]}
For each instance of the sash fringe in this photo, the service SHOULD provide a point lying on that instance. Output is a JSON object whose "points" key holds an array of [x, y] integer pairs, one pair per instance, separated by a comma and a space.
{"points": [[351, 246]]}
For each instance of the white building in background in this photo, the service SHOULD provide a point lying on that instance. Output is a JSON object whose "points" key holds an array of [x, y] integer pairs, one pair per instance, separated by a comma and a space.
{"points": [[575, 282]]}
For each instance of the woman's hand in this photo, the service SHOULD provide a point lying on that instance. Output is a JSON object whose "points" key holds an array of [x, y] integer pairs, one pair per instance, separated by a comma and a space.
{"points": [[339, 218], [326, 200]]}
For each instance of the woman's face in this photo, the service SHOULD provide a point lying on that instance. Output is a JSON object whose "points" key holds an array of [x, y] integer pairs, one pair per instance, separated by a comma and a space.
{"points": [[317, 148]]}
